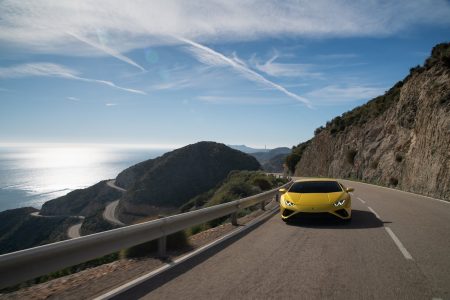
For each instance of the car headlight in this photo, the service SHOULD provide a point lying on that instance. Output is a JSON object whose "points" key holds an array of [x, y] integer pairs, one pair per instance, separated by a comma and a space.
{"points": [[339, 203], [288, 203]]}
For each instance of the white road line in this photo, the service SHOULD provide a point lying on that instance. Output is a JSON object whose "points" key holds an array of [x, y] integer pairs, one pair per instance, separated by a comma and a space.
{"points": [[361, 200], [374, 212], [398, 243], [397, 190]]}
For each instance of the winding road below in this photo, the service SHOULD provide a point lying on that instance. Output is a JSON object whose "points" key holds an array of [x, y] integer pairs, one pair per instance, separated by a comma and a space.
{"points": [[396, 247], [109, 214]]}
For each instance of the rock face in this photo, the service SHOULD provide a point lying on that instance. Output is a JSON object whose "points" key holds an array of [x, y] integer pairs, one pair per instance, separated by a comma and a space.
{"points": [[401, 139], [160, 185]]}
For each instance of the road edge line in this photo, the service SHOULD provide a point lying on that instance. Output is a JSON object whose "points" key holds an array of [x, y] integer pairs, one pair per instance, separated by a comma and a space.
{"points": [[388, 188]]}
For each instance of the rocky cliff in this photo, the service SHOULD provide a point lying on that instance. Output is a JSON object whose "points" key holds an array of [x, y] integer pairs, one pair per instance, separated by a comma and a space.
{"points": [[400, 139], [160, 185]]}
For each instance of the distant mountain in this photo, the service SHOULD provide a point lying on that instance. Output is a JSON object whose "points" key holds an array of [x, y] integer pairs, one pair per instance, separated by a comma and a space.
{"points": [[400, 139], [246, 149], [162, 185], [272, 160]]}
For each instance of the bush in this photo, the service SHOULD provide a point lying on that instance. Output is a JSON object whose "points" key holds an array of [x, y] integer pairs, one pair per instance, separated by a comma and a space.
{"points": [[350, 155], [297, 152], [398, 157], [393, 181], [374, 164]]}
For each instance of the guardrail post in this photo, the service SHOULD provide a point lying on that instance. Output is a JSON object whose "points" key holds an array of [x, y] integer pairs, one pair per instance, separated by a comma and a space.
{"points": [[162, 243], [234, 221], [263, 204]]}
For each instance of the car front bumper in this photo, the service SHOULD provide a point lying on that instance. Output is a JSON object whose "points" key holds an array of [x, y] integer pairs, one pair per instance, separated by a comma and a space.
{"points": [[342, 212]]}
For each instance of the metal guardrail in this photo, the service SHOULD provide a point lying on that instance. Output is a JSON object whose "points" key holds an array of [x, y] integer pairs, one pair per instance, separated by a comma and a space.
{"points": [[30, 263]]}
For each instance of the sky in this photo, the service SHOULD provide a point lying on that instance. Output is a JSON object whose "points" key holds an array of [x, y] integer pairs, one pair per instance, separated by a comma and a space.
{"points": [[171, 73]]}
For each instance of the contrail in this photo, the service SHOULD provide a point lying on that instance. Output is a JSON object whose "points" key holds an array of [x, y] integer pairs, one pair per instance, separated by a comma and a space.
{"points": [[107, 50], [108, 83], [211, 56]]}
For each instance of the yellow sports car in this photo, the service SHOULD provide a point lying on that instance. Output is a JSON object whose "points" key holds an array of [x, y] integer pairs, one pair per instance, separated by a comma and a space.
{"points": [[314, 196]]}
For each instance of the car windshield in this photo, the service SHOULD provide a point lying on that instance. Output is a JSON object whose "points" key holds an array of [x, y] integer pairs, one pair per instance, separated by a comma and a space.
{"points": [[315, 187]]}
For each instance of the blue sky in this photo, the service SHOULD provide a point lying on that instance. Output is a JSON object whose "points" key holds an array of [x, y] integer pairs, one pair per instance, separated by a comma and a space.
{"points": [[176, 72]]}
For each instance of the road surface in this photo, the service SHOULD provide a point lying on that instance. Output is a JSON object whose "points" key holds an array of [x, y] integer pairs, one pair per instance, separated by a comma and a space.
{"points": [[397, 247], [74, 230], [109, 214]]}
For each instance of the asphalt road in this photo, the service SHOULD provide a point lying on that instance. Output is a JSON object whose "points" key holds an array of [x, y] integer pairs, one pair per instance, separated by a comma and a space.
{"points": [[109, 214], [397, 247], [74, 230]]}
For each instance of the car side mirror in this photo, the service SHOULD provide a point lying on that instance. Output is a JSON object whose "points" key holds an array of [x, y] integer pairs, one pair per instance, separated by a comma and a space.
{"points": [[348, 190], [282, 190]]}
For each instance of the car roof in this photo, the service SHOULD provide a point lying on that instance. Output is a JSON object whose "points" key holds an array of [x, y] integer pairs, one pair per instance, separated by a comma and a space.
{"points": [[314, 179]]}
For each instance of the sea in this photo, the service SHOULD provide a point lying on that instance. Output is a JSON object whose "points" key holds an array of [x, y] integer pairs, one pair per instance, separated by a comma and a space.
{"points": [[33, 174]]}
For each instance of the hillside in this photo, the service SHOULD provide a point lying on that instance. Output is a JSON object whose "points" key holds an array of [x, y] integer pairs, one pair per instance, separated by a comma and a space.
{"points": [[82, 202], [238, 184], [400, 139], [19, 230], [161, 185]]}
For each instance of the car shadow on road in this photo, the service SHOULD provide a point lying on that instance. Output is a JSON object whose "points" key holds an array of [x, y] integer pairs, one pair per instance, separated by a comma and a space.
{"points": [[360, 219]]}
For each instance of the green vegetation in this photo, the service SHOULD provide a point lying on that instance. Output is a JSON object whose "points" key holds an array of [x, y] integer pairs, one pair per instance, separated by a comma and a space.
{"points": [[176, 177], [297, 153], [96, 223], [19, 230], [238, 184], [439, 54], [84, 202], [364, 113], [350, 155], [393, 181], [398, 157]]}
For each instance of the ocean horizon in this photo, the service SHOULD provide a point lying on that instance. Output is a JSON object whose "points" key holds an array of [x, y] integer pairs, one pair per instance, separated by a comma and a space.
{"points": [[33, 174]]}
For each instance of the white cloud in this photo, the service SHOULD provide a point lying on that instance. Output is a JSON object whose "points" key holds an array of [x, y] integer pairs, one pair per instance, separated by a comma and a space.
{"points": [[215, 99], [43, 25], [270, 67], [333, 94], [73, 98], [213, 58], [107, 50], [173, 85], [111, 104], [54, 70]]}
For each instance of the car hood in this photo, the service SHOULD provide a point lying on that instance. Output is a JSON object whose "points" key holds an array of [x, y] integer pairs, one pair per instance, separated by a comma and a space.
{"points": [[314, 198]]}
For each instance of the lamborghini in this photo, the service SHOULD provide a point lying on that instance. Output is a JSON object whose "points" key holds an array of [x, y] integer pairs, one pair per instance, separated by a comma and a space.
{"points": [[316, 196]]}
